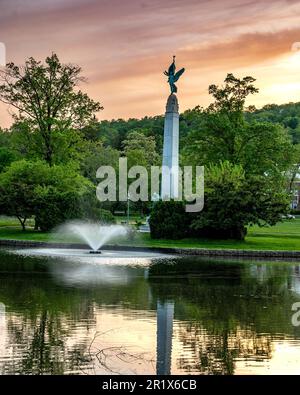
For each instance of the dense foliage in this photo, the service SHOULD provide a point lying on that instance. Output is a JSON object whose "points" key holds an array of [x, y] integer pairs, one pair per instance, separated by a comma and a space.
{"points": [[168, 220], [47, 103], [50, 194], [50, 155], [246, 164], [234, 201]]}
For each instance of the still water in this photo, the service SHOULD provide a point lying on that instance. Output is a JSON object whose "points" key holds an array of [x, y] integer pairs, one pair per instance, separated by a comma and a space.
{"points": [[72, 315]]}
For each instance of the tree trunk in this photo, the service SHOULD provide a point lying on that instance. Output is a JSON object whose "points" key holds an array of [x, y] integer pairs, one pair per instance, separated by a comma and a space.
{"points": [[22, 222], [36, 224], [48, 156], [48, 147]]}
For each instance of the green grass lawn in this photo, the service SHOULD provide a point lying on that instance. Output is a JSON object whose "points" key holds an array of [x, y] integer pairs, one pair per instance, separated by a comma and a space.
{"points": [[283, 236]]}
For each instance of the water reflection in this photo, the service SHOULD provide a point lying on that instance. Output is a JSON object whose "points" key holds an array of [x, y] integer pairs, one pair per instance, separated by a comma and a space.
{"points": [[2, 329], [294, 281], [165, 317], [83, 275], [175, 316]]}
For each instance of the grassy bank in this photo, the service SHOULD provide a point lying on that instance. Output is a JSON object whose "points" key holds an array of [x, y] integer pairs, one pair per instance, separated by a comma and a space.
{"points": [[283, 236]]}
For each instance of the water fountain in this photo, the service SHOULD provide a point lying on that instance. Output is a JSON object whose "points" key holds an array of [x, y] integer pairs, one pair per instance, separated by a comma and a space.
{"points": [[94, 235]]}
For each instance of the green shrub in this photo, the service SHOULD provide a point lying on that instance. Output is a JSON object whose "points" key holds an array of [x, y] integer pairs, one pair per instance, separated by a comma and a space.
{"points": [[168, 220], [91, 209], [295, 212], [233, 201], [106, 217]]}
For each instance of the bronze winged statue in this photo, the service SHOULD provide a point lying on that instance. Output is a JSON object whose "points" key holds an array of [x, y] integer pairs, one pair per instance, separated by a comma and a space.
{"points": [[173, 77]]}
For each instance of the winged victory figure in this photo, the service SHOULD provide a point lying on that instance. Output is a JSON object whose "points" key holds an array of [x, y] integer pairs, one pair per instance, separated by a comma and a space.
{"points": [[173, 77]]}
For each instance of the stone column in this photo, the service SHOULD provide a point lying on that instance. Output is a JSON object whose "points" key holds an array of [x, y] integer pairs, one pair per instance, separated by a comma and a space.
{"points": [[170, 171]]}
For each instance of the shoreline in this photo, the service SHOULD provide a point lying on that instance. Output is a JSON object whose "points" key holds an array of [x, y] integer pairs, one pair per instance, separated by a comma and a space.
{"points": [[205, 252]]}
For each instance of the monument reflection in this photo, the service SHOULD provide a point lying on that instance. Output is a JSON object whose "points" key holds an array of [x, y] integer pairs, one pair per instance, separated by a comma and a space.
{"points": [[177, 316]]}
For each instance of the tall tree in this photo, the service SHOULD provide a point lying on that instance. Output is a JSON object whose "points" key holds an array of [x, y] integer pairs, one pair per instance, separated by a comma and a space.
{"points": [[140, 149], [51, 194], [47, 97], [223, 133]]}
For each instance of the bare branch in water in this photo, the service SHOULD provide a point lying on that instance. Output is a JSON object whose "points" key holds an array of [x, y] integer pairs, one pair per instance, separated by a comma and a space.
{"points": [[105, 356]]}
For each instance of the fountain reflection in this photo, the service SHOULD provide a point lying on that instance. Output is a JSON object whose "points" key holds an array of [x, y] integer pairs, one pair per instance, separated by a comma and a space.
{"points": [[76, 274]]}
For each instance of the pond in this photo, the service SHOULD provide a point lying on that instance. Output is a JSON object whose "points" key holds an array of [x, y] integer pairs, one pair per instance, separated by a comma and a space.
{"points": [[147, 315]]}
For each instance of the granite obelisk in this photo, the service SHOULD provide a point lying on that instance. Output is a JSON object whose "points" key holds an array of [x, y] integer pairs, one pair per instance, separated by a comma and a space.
{"points": [[170, 180], [170, 169]]}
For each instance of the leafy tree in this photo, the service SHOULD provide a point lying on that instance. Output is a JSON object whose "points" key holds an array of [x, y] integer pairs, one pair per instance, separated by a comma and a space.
{"points": [[4, 137], [51, 194], [26, 144], [105, 216], [245, 163], [7, 156], [140, 150], [234, 201], [96, 155], [113, 133], [286, 115], [221, 132], [292, 173], [45, 96], [231, 97]]}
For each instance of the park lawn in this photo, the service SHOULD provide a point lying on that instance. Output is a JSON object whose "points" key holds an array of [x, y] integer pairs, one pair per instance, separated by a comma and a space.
{"points": [[12, 221], [283, 236]]}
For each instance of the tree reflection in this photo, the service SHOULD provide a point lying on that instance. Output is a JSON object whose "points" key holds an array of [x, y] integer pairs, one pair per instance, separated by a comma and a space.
{"points": [[223, 312], [217, 353], [50, 325], [226, 311], [41, 340]]}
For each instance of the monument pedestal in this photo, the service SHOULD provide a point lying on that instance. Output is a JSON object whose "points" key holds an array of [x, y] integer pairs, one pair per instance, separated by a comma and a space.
{"points": [[170, 170]]}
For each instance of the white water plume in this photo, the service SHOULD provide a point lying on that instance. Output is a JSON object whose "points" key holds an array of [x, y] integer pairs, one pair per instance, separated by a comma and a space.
{"points": [[93, 234]]}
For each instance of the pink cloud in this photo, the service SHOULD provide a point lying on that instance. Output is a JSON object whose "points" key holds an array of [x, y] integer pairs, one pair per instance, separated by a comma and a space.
{"points": [[123, 46]]}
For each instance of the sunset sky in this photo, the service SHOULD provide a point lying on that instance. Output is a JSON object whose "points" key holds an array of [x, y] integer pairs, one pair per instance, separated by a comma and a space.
{"points": [[124, 46]]}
